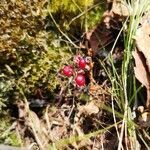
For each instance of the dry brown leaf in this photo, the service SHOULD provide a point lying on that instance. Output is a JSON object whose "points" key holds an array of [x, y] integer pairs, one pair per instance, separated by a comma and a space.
{"points": [[142, 55], [140, 68], [141, 73], [89, 109], [34, 123], [120, 8], [144, 119], [57, 133], [143, 38]]}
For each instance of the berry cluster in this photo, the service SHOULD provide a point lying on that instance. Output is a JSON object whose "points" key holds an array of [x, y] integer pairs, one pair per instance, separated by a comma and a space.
{"points": [[77, 72]]}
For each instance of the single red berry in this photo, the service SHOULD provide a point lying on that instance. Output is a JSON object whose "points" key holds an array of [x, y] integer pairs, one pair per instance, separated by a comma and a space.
{"points": [[80, 80], [82, 63], [68, 71]]}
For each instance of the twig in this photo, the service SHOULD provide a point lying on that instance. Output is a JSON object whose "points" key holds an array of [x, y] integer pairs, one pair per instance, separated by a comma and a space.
{"points": [[31, 146], [84, 12], [61, 30], [47, 119], [71, 109], [31, 125]]}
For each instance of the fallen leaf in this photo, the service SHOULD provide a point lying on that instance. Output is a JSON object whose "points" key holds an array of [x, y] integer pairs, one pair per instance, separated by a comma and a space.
{"points": [[144, 119], [143, 38], [89, 109], [142, 55], [33, 123], [141, 73], [105, 33], [140, 68], [120, 7]]}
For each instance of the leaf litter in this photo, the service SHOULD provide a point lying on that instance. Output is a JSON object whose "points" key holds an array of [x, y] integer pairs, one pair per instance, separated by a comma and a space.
{"points": [[142, 64]]}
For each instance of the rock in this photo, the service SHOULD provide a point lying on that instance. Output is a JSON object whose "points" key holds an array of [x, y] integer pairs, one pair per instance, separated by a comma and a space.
{"points": [[7, 147]]}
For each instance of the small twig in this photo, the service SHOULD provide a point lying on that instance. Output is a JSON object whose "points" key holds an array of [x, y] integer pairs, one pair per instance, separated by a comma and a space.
{"points": [[47, 119], [31, 146], [146, 134], [64, 89], [61, 30], [84, 12], [77, 5], [71, 109], [31, 125]]}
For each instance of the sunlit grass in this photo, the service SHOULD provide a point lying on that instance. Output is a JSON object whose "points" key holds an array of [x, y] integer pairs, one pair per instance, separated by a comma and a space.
{"points": [[124, 87]]}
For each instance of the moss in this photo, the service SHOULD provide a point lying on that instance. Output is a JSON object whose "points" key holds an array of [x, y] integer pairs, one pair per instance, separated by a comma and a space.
{"points": [[31, 56], [14, 140], [29, 59], [7, 136], [75, 15], [70, 6]]}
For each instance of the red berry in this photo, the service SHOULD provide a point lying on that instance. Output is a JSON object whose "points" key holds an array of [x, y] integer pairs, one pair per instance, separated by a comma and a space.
{"points": [[68, 71], [80, 80], [82, 63]]}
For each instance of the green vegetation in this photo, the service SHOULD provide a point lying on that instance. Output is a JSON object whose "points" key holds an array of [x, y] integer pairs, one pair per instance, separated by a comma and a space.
{"points": [[8, 136], [30, 57], [76, 15]]}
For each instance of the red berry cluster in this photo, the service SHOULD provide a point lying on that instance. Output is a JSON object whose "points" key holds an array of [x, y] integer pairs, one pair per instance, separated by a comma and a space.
{"points": [[78, 72]]}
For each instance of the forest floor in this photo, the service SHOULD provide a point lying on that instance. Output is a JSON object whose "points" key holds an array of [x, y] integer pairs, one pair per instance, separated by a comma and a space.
{"points": [[101, 104]]}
